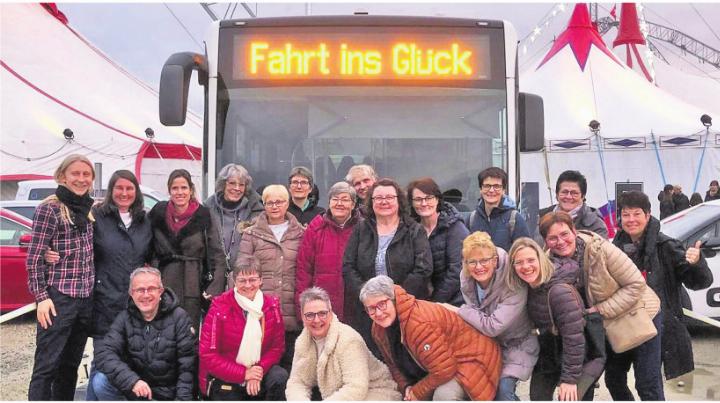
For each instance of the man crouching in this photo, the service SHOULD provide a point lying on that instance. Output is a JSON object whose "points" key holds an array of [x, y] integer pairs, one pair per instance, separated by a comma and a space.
{"points": [[149, 351]]}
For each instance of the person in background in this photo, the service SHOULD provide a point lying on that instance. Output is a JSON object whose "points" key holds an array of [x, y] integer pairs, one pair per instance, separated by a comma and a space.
{"points": [[680, 201], [387, 242], [187, 246], [493, 214], [319, 260], [667, 205], [62, 290], [362, 177], [446, 231], [302, 207], [233, 206], [122, 238], [570, 191], [695, 199], [713, 192], [498, 311], [242, 341], [431, 352], [554, 306], [667, 267], [274, 239], [149, 351], [332, 361]]}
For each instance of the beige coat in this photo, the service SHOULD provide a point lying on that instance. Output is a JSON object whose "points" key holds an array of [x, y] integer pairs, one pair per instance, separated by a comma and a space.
{"points": [[614, 283], [344, 370], [277, 261]]}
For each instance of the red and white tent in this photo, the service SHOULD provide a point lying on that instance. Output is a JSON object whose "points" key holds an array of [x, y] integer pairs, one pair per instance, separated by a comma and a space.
{"points": [[54, 79], [647, 136]]}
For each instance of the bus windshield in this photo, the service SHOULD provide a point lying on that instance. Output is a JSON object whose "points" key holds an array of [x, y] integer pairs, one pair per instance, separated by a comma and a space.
{"points": [[404, 132]]}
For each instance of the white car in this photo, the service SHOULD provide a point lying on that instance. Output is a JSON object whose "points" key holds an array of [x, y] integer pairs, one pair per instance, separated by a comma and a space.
{"points": [[701, 222], [42, 188]]}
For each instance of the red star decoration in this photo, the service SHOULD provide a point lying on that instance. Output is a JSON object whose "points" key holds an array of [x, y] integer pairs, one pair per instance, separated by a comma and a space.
{"points": [[580, 35]]}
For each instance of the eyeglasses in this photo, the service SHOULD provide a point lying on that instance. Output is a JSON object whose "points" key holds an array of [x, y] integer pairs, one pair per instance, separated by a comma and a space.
{"points": [[299, 184], [574, 193], [382, 306], [384, 199], [251, 280], [495, 187], [336, 200], [236, 185], [275, 203], [426, 199], [149, 290], [565, 236], [310, 316], [480, 262]]}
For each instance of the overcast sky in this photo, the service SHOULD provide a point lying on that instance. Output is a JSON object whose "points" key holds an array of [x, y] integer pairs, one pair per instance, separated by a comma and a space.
{"points": [[141, 36]]}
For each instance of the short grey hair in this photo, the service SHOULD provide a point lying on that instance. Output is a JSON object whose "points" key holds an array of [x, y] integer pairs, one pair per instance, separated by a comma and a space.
{"points": [[230, 170], [358, 169], [144, 270], [340, 188], [379, 286], [246, 265], [301, 171], [314, 294]]}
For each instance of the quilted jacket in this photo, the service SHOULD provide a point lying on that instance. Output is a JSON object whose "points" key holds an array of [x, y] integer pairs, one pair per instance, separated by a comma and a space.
{"points": [[445, 346]]}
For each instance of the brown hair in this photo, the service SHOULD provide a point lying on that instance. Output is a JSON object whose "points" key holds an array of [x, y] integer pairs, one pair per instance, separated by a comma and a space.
{"points": [[181, 173], [401, 199], [428, 186], [557, 217]]}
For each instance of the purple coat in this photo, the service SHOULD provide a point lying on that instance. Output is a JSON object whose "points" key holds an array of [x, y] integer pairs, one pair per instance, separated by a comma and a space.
{"points": [[319, 260]]}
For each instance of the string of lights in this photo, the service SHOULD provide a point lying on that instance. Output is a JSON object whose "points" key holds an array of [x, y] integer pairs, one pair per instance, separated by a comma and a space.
{"points": [[541, 26]]}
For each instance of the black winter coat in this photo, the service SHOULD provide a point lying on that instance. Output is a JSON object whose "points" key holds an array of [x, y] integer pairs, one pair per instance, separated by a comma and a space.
{"points": [[118, 251], [663, 260], [667, 208], [181, 258], [446, 248], [160, 352], [588, 218], [681, 202], [568, 319], [307, 215]]}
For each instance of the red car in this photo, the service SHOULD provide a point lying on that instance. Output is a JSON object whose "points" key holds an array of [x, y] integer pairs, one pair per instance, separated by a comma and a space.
{"points": [[15, 235]]}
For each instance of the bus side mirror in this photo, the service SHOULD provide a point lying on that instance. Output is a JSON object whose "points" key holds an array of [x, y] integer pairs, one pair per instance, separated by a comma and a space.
{"points": [[175, 83], [531, 122]]}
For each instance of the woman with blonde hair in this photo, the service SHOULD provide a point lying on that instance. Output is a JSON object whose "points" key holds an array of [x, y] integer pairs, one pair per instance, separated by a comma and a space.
{"points": [[63, 290], [497, 310], [556, 308], [274, 239]]}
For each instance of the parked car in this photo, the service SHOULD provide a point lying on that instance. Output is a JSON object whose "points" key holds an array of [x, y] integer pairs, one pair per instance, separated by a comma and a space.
{"points": [[25, 208], [15, 235], [701, 222], [42, 188]]}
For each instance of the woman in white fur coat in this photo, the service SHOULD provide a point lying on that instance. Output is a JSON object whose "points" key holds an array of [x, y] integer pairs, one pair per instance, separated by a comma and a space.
{"points": [[331, 358]]}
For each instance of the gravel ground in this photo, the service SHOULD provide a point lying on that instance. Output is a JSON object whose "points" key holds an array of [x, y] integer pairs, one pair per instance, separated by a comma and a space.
{"points": [[17, 346]]}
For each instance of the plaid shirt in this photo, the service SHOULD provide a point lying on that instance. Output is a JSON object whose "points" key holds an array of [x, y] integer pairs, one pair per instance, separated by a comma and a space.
{"points": [[74, 274]]}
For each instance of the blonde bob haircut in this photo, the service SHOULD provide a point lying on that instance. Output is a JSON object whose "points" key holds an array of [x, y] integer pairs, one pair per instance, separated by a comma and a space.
{"points": [[547, 269], [69, 160], [278, 191], [474, 241]]}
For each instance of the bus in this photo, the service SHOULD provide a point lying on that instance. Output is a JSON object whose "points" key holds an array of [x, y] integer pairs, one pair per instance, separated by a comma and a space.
{"points": [[410, 96]]}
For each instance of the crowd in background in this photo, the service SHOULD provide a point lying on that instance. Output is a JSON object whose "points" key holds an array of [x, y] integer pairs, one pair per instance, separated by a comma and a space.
{"points": [[390, 293]]}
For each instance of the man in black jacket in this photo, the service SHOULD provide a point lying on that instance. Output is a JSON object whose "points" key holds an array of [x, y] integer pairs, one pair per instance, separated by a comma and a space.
{"points": [[666, 266], [149, 352], [680, 200]]}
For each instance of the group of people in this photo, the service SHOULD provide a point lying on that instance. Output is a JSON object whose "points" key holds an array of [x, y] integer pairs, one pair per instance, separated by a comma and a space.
{"points": [[389, 294], [673, 200]]}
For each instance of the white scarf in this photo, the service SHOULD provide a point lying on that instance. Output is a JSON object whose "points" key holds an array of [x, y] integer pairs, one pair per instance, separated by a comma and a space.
{"points": [[249, 351]]}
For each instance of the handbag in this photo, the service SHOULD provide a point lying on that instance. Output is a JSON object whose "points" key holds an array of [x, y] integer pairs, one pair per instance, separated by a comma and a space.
{"points": [[593, 330], [632, 328], [217, 389]]}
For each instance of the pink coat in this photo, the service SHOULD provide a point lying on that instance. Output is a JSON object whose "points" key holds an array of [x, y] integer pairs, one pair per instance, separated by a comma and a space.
{"points": [[319, 260], [222, 333]]}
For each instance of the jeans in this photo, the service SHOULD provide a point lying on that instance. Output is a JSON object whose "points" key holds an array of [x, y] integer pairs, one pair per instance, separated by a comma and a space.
{"points": [[543, 384], [646, 360], [59, 348], [506, 389], [104, 389], [272, 387], [90, 394]]}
